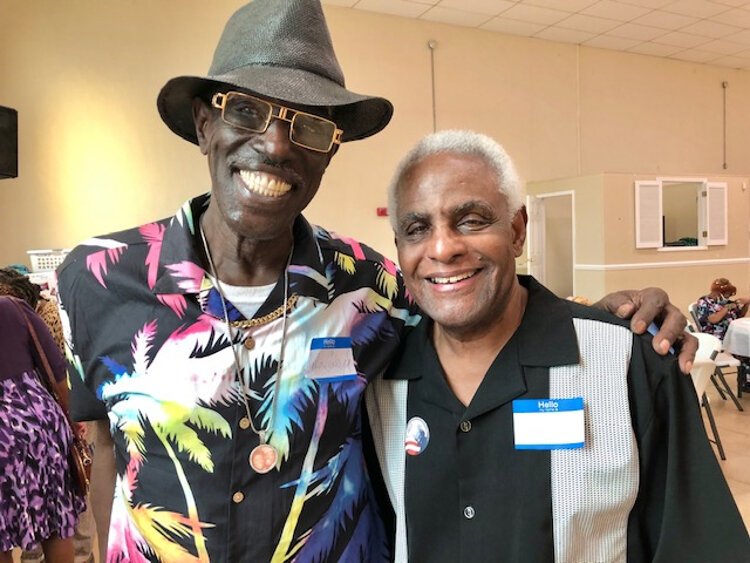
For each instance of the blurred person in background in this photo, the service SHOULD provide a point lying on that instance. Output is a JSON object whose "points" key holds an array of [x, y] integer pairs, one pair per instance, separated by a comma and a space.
{"points": [[717, 309], [15, 284], [720, 307], [38, 504]]}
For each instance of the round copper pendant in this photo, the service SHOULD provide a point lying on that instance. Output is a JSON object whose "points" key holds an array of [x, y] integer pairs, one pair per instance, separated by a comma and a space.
{"points": [[263, 458]]}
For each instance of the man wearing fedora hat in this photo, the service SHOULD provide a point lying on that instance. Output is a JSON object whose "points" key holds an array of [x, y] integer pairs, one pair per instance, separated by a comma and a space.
{"points": [[229, 346]]}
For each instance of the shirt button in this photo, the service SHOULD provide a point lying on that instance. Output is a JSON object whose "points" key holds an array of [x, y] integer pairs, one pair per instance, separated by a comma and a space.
{"points": [[238, 497], [249, 343], [244, 423], [465, 426], [469, 512]]}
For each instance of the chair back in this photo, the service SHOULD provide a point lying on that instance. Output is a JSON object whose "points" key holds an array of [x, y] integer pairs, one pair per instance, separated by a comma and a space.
{"points": [[704, 366], [692, 309], [708, 346]]}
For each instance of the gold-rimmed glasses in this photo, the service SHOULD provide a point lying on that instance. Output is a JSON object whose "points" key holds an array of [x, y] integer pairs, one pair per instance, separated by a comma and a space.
{"points": [[254, 114]]}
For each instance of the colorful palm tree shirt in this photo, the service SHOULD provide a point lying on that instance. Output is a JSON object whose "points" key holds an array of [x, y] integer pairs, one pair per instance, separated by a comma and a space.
{"points": [[148, 347]]}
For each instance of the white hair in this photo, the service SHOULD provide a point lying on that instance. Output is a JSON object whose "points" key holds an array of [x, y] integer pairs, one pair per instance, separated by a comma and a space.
{"points": [[460, 142]]}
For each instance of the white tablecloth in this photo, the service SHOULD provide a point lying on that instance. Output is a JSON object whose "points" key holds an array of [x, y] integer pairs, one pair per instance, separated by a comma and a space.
{"points": [[737, 338]]}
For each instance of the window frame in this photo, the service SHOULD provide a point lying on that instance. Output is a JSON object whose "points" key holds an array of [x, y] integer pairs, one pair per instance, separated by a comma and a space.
{"points": [[712, 213]]}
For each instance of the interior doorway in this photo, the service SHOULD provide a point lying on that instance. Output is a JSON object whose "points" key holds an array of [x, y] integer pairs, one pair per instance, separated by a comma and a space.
{"points": [[551, 241]]}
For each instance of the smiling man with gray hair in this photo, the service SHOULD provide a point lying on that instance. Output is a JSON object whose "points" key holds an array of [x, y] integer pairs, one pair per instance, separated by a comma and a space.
{"points": [[518, 426]]}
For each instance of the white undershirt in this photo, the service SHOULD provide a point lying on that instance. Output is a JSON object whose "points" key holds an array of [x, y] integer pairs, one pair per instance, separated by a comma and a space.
{"points": [[247, 299]]}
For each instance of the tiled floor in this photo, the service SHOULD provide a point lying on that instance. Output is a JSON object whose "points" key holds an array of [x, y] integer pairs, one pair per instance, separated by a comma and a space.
{"points": [[734, 430]]}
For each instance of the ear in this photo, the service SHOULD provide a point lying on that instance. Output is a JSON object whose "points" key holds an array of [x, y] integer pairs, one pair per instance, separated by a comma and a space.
{"points": [[202, 118], [518, 225]]}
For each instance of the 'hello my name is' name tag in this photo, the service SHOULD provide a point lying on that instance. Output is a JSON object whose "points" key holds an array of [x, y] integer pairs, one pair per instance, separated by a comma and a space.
{"points": [[331, 359], [548, 424]]}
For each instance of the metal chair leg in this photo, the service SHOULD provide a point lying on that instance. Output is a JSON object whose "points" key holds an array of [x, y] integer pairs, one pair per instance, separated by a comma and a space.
{"points": [[718, 387], [728, 389], [714, 430], [740, 381]]}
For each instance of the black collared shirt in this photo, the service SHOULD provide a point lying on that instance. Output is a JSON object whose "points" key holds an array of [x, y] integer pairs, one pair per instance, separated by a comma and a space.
{"points": [[489, 493], [470, 496]]}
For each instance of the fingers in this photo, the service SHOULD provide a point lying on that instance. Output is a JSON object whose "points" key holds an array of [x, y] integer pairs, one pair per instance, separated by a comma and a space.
{"points": [[671, 332], [653, 304], [671, 329], [626, 310], [688, 347], [620, 303]]}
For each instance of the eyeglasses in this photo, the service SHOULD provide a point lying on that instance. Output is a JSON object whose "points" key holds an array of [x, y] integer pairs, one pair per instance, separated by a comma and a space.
{"points": [[253, 114]]}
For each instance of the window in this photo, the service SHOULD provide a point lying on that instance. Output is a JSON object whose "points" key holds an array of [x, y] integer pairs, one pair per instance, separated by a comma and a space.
{"points": [[680, 212]]}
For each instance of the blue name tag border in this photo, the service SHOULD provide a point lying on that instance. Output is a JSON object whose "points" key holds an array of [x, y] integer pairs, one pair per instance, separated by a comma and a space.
{"points": [[335, 378], [331, 343], [573, 446], [547, 405]]}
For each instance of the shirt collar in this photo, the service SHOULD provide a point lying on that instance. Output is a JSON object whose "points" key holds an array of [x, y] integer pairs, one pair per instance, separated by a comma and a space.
{"points": [[181, 270], [546, 337]]}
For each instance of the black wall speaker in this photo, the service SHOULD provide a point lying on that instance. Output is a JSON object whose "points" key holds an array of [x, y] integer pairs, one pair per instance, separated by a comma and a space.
{"points": [[8, 142]]}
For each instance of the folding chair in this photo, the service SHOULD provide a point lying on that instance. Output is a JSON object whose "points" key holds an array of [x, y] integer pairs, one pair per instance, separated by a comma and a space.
{"points": [[727, 361], [723, 361], [702, 372]]}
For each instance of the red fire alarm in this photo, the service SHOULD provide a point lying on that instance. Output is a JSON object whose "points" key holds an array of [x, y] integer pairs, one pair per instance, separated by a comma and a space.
{"points": [[381, 211]]}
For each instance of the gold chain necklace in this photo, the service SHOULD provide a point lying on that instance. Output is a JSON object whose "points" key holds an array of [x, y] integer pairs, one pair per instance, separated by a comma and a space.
{"points": [[264, 456], [285, 307]]}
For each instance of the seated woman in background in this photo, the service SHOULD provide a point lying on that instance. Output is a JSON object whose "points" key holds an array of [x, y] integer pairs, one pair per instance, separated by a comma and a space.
{"points": [[716, 310], [38, 503]]}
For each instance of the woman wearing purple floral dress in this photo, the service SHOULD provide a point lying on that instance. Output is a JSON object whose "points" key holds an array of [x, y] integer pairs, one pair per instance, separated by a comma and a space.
{"points": [[37, 501]]}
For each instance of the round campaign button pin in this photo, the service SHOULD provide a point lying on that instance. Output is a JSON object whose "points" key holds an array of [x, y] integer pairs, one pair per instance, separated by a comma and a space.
{"points": [[417, 436]]}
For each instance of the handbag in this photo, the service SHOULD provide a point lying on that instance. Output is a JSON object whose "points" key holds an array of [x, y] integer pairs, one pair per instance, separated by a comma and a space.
{"points": [[79, 456]]}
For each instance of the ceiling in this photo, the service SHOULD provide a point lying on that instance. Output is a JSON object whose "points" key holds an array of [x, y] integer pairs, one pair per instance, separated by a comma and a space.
{"points": [[715, 32]]}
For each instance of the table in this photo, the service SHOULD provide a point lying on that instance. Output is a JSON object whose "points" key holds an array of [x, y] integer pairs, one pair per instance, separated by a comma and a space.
{"points": [[737, 338]]}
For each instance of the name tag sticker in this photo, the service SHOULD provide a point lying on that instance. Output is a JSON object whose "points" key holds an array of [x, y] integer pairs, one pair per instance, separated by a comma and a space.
{"points": [[548, 424], [331, 359]]}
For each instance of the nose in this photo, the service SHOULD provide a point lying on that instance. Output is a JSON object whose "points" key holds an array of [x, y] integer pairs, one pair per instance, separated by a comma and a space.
{"points": [[445, 245], [275, 140]]}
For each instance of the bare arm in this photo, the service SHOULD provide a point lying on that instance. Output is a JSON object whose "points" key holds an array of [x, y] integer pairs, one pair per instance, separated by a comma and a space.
{"points": [[719, 315], [743, 303]]}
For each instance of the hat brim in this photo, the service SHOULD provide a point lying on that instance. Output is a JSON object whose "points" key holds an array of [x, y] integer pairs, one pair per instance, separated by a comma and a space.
{"points": [[358, 115]]}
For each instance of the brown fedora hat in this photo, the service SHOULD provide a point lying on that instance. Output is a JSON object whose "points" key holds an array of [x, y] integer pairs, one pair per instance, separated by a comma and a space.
{"points": [[278, 49]]}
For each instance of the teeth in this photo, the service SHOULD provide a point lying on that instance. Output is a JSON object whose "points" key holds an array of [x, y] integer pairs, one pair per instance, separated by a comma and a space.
{"points": [[264, 184], [452, 279]]}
